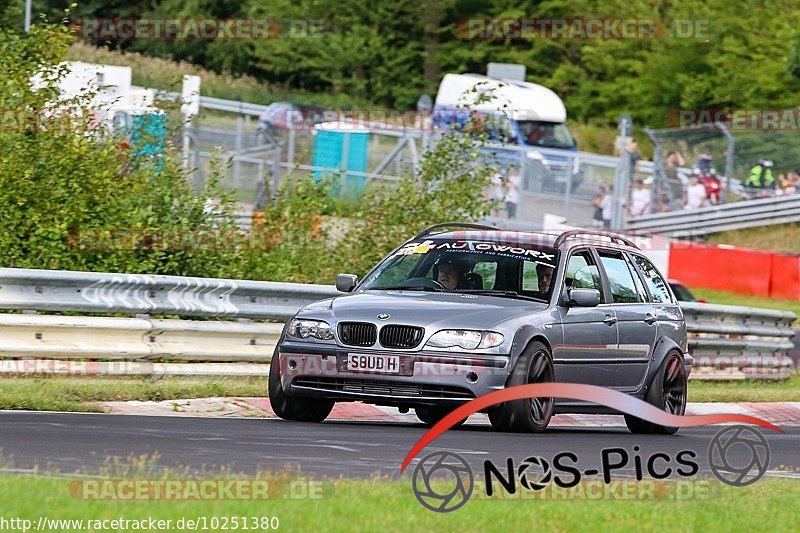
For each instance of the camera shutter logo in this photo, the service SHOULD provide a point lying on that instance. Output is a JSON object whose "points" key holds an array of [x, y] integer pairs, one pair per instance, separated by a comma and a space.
{"points": [[443, 482], [528, 476], [738, 455]]}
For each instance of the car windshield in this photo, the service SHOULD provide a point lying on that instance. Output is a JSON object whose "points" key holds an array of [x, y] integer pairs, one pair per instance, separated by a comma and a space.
{"points": [[545, 134], [500, 269]]}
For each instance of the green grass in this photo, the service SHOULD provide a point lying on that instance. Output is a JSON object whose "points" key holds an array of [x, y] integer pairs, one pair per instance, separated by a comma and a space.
{"points": [[73, 394], [165, 74], [379, 505], [729, 298], [780, 238], [787, 390], [78, 394]]}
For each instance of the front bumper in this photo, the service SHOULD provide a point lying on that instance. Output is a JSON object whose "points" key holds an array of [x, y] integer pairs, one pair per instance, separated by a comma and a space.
{"points": [[431, 378]]}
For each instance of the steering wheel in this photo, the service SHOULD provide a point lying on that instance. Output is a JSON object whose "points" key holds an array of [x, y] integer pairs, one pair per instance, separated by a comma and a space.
{"points": [[422, 282]]}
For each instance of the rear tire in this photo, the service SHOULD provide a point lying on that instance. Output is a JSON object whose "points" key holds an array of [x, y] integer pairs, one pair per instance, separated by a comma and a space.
{"points": [[431, 415], [291, 407], [530, 415], [667, 392]]}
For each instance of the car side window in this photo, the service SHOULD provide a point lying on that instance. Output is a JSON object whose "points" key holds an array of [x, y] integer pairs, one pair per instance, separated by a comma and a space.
{"points": [[623, 287], [637, 280], [582, 273], [488, 271], [656, 284]]}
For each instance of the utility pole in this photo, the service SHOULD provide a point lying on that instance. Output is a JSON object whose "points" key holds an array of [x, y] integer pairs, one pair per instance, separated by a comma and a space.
{"points": [[27, 16]]}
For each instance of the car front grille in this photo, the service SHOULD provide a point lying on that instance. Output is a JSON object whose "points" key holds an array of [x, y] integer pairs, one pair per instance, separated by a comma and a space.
{"points": [[401, 336], [357, 333], [377, 387]]}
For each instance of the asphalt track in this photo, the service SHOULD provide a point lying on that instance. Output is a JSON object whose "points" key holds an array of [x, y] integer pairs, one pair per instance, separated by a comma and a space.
{"points": [[84, 442]]}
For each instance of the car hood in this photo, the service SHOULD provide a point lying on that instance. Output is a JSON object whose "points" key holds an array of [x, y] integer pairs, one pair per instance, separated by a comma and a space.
{"points": [[419, 308]]}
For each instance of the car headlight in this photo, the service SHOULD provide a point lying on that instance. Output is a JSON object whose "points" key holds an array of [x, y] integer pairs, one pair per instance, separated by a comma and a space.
{"points": [[317, 329], [465, 339]]}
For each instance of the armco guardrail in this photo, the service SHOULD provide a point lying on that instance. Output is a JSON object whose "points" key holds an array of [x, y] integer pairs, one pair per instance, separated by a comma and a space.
{"points": [[727, 341], [88, 292], [713, 219], [733, 342]]}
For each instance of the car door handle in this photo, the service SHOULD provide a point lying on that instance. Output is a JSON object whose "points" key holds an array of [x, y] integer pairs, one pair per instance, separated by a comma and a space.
{"points": [[650, 319], [610, 320]]}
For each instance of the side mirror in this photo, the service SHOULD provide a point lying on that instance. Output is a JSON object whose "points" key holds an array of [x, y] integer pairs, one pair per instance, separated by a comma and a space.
{"points": [[583, 298], [346, 282]]}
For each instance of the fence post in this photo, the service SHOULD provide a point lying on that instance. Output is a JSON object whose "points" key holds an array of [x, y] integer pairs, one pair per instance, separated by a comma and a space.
{"points": [[568, 190], [729, 155], [623, 175], [660, 184], [238, 148]]}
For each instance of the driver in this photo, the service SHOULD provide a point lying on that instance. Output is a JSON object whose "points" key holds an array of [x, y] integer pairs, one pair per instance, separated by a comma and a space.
{"points": [[449, 272]]}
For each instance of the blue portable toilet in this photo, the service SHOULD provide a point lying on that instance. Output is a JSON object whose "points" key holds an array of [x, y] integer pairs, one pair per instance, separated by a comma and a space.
{"points": [[342, 147], [146, 130]]}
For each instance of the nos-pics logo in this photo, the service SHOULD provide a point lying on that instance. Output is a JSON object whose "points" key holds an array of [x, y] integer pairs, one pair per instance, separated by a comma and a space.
{"points": [[443, 481]]}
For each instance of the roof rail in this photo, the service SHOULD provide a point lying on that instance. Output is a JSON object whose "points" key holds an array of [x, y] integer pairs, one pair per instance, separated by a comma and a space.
{"points": [[431, 229], [575, 232]]}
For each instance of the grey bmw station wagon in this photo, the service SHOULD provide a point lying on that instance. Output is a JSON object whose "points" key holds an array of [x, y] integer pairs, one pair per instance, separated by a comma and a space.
{"points": [[462, 310]]}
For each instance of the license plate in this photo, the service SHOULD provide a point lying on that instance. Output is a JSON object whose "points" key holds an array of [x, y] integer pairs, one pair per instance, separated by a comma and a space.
{"points": [[388, 364]]}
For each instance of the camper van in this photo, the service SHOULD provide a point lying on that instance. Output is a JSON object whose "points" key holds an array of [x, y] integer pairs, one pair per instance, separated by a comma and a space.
{"points": [[526, 115]]}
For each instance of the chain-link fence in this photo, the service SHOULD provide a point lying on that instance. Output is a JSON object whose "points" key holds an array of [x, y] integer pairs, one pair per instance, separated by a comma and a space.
{"points": [[711, 165], [254, 160]]}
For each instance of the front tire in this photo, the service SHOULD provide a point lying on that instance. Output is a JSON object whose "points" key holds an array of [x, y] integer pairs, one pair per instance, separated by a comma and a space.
{"points": [[667, 392], [291, 407], [530, 415]]}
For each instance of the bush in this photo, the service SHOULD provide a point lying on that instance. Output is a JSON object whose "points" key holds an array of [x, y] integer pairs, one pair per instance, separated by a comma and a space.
{"points": [[62, 177], [66, 187]]}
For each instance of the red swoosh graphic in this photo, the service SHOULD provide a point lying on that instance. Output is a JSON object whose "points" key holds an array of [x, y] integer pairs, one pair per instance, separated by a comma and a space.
{"points": [[590, 393]]}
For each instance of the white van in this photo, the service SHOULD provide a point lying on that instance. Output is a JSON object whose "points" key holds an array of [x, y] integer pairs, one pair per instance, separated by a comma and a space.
{"points": [[536, 115]]}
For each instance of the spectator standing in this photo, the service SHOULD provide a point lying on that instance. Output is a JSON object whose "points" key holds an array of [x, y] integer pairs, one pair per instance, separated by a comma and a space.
{"points": [[695, 194], [606, 204], [641, 199], [761, 175], [704, 164], [635, 155], [792, 182], [672, 161], [597, 217], [497, 192], [513, 184]]}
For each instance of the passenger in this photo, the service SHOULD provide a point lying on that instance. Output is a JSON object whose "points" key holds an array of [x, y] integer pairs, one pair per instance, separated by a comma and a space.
{"points": [[544, 278]]}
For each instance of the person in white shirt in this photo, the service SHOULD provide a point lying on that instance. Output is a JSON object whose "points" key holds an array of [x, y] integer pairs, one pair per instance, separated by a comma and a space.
{"points": [[512, 191], [641, 198], [695, 194], [606, 203], [497, 192]]}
